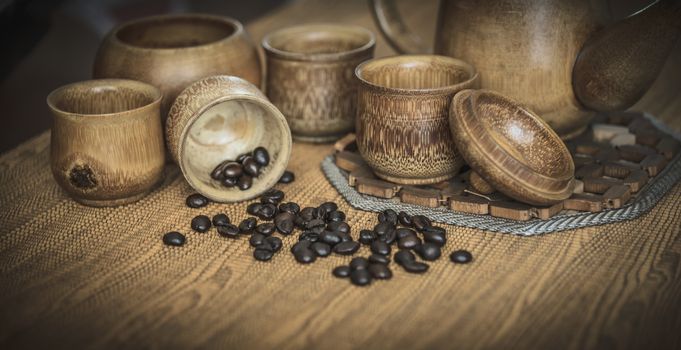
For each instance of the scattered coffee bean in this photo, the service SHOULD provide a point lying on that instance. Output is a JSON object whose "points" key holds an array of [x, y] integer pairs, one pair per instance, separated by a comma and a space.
{"points": [[344, 236], [228, 230], [321, 249], [409, 242], [360, 277], [338, 227], [404, 219], [404, 232], [262, 254], [380, 271], [201, 223], [359, 263], [221, 219], [367, 236], [266, 228], [335, 216], [383, 228], [290, 207], [341, 271], [315, 223], [326, 208], [379, 259], [273, 196], [267, 211], [196, 200], [274, 242], [261, 156], [461, 257], [346, 248], [380, 247], [420, 222], [248, 225], [308, 213], [404, 256], [300, 245], [284, 223], [415, 267], [256, 239], [330, 238], [428, 251], [250, 167], [389, 237], [305, 256], [287, 177], [309, 236], [233, 170], [174, 239], [388, 215], [434, 237], [253, 208]]}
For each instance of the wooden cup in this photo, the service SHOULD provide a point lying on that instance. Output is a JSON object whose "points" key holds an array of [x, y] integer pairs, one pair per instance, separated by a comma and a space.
{"points": [[107, 141], [219, 118], [402, 116], [310, 77], [172, 51]]}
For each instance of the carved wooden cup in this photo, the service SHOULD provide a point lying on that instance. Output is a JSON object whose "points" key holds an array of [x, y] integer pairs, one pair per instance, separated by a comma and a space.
{"points": [[402, 124], [219, 118], [107, 141], [310, 77]]}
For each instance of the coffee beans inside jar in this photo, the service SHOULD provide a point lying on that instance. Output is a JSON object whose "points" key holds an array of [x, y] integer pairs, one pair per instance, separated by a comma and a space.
{"points": [[241, 172]]}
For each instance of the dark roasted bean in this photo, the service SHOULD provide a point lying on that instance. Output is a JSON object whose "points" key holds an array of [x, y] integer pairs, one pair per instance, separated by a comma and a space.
{"points": [[308, 213], [383, 228], [309, 236], [404, 232], [245, 182], [256, 239], [221, 219], [346, 248], [360, 277], [241, 157], [284, 223], [305, 256], [341, 271], [344, 236], [461, 257], [173, 238], [420, 222], [300, 245], [218, 171], [326, 208], [435, 229], [315, 223], [262, 254], [273, 196], [201, 223], [230, 181], [380, 247], [274, 242], [247, 225], [428, 251], [261, 156], [338, 227], [250, 167], [196, 200], [389, 237], [415, 267], [367, 236], [321, 249], [379, 259], [404, 256], [434, 237], [409, 242], [290, 207], [388, 215], [287, 177], [233, 169], [253, 208], [380, 271], [330, 238], [267, 211], [404, 219], [228, 230], [300, 222], [358, 263], [335, 216], [266, 228]]}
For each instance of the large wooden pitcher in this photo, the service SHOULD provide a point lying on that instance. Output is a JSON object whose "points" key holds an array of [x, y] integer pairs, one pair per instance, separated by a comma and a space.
{"points": [[563, 59]]}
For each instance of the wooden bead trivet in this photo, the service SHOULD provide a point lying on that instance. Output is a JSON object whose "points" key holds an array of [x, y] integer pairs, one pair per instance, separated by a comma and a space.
{"points": [[614, 159]]}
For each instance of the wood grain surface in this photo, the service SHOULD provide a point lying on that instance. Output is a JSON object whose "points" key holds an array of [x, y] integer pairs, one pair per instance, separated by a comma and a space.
{"points": [[78, 277]]}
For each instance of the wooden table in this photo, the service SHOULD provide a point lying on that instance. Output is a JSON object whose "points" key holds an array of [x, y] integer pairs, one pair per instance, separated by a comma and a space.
{"points": [[75, 277]]}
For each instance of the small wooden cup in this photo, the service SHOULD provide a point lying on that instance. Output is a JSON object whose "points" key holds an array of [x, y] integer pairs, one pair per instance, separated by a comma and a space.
{"points": [[402, 123], [310, 77], [107, 141], [219, 118]]}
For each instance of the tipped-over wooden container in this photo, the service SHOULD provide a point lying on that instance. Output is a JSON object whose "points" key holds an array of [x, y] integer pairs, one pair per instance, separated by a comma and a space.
{"points": [[219, 118], [107, 141], [511, 148]]}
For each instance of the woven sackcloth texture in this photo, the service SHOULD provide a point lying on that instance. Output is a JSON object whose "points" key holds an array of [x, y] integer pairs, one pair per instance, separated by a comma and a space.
{"points": [[72, 276]]}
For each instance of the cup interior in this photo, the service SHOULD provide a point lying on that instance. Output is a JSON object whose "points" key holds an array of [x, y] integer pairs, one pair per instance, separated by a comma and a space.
{"points": [[168, 32], [226, 130], [107, 96], [315, 40], [409, 72]]}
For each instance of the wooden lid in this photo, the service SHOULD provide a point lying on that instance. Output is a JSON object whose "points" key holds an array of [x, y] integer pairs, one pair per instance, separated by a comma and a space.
{"points": [[511, 147]]}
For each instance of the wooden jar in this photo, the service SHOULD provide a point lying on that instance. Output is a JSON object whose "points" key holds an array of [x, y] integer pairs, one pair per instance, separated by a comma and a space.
{"points": [[107, 141], [172, 51], [219, 118]]}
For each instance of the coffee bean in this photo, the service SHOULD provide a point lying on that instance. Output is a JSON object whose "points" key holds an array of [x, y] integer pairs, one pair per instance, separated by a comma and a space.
{"points": [[346, 248], [228, 230], [253, 208], [290, 207], [428, 251], [300, 245], [221, 219], [241, 157], [461, 257], [308, 213], [261, 156], [266, 228], [435, 229], [380, 247], [218, 171], [326, 208], [384, 227], [380, 271], [344, 236], [409, 242], [200, 223], [274, 242], [230, 181], [338, 227], [315, 223], [305, 256], [420, 222], [299, 222], [267, 211], [263, 254], [247, 225], [321, 249], [404, 256], [196, 200], [174, 239], [434, 237], [404, 219], [367, 236], [359, 263], [379, 259], [273, 196], [287, 177], [404, 232], [309, 236], [335, 216], [388, 215], [284, 223], [233, 170], [250, 167], [360, 277], [330, 238], [415, 267], [389, 237], [341, 271], [256, 239], [245, 182]]}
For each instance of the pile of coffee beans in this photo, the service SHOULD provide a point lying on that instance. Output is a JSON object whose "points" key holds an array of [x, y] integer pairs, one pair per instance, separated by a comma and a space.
{"points": [[243, 170]]}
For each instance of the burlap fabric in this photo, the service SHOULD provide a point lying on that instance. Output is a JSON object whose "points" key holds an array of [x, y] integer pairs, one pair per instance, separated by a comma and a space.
{"points": [[74, 276]]}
